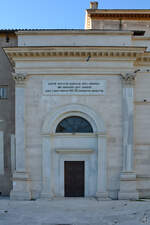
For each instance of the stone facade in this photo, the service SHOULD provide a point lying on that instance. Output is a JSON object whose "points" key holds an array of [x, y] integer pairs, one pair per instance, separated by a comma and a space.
{"points": [[116, 153]]}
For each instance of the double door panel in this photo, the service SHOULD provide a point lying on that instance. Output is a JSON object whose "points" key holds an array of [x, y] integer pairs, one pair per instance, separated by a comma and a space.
{"points": [[74, 178]]}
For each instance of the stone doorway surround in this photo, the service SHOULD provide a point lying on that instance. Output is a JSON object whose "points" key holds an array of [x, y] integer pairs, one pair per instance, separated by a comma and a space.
{"points": [[48, 134], [75, 155]]}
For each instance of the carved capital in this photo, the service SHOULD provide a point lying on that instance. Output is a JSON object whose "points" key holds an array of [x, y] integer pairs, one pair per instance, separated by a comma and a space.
{"points": [[19, 78], [129, 78]]}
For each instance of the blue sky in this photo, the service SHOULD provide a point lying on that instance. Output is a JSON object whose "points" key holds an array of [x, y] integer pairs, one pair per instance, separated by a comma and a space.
{"points": [[55, 14]]}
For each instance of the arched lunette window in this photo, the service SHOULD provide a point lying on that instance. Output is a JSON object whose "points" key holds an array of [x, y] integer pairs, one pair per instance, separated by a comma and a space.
{"points": [[74, 124]]}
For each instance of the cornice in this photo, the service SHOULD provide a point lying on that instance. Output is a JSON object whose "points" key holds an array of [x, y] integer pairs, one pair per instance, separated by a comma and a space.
{"points": [[71, 52], [120, 14], [127, 11], [73, 32]]}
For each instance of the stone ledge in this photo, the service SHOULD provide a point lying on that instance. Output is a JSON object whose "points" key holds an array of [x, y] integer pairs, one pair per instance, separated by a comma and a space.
{"points": [[74, 151], [128, 176]]}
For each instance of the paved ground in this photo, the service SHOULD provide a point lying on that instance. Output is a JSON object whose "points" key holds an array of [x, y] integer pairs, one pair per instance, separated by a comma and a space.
{"points": [[74, 212]]}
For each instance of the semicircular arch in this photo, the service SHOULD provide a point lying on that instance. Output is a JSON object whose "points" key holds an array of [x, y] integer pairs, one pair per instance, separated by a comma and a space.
{"points": [[53, 118]]}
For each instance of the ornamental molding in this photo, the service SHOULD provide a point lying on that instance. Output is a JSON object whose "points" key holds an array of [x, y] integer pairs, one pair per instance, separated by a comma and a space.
{"points": [[144, 59], [84, 32], [129, 78], [136, 54], [19, 78], [94, 52], [74, 151]]}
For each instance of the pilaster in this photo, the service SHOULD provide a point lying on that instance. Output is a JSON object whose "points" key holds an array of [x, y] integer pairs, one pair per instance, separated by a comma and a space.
{"points": [[102, 193], [21, 189], [1, 153], [128, 175], [13, 153], [47, 167]]}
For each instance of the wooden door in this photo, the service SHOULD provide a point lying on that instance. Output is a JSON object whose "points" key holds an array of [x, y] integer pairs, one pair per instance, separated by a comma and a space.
{"points": [[74, 178]]}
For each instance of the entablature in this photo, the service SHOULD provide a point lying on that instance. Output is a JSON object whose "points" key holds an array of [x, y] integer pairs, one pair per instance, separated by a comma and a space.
{"points": [[125, 52]]}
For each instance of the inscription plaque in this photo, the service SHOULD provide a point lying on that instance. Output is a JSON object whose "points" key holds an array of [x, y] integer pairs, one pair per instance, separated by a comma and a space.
{"points": [[74, 87]]}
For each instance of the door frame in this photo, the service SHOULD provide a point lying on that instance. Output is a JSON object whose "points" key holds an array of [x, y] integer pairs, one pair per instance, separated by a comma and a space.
{"points": [[84, 158]]}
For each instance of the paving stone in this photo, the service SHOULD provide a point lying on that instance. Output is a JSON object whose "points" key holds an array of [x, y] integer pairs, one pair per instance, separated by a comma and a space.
{"points": [[74, 212]]}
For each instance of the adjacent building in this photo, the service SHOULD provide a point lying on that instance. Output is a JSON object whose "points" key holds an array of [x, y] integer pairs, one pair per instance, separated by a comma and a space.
{"points": [[82, 104], [8, 38]]}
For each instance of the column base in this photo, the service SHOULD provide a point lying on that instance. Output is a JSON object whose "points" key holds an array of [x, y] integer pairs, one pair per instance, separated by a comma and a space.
{"points": [[128, 196], [20, 196], [21, 187], [102, 196], [128, 186], [45, 195]]}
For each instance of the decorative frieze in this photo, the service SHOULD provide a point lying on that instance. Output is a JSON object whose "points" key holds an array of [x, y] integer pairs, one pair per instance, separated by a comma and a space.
{"points": [[77, 53], [144, 59]]}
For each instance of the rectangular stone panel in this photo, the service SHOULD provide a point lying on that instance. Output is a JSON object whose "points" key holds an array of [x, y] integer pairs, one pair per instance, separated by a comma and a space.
{"points": [[142, 124], [74, 87], [142, 87]]}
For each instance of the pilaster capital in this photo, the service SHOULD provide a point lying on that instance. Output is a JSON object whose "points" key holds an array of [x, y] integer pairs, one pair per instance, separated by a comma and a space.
{"points": [[129, 78], [19, 78]]}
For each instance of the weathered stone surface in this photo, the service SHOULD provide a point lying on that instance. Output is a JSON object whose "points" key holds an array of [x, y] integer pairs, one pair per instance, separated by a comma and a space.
{"points": [[74, 212]]}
